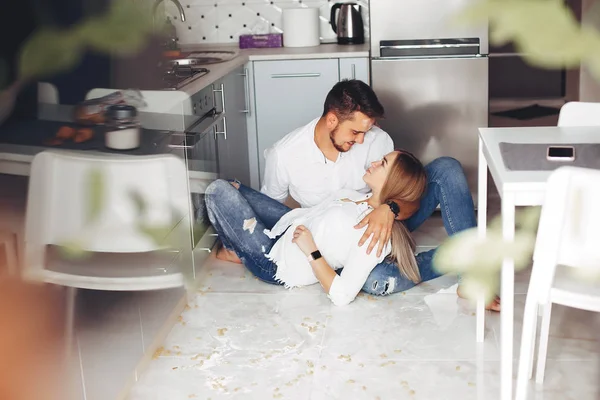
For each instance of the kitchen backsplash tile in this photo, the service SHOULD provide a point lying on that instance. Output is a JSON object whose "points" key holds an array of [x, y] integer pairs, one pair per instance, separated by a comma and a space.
{"points": [[223, 21]]}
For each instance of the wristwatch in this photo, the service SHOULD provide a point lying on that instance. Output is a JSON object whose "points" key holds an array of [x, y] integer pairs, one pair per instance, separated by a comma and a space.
{"points": [[393, 207], [315, 255]]}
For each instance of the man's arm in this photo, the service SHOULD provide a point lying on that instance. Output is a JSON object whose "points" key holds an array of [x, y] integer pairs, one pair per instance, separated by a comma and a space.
{"points": [[380, 222], [275, 183]]}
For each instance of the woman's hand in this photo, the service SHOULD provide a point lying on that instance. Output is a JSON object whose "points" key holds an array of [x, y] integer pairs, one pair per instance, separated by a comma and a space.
{"points": [[304, 239], [380, 222]]}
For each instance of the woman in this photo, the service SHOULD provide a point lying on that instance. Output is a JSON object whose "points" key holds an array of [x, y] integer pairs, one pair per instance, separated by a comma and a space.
{"points": [[307, 245]]}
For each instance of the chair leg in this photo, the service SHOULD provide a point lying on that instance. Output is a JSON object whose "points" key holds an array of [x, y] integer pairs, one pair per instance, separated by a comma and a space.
{"points": [[10, 249], [70, 320], [527, 344], [543, 349], [532, 355], [480, 309]]}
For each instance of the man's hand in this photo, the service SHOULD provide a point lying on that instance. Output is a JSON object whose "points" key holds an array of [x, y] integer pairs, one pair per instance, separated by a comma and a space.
{"points": [[380, 222], [304, 239]]}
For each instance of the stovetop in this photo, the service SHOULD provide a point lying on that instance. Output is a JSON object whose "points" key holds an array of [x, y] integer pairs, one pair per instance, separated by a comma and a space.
{"points": [[181, 75]]}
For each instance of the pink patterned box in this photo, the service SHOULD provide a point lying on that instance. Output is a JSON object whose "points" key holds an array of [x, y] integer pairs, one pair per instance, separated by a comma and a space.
{"points": [[261, 41]]}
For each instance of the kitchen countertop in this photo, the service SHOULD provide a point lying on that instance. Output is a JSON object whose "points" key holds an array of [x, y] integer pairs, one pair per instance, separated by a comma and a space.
{"points": [[21, 140], [14, 151], [217, 71]]}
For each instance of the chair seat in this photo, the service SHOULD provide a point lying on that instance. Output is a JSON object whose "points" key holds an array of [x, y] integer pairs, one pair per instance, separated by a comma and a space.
{"points": [[571, 290], [110, 271]]}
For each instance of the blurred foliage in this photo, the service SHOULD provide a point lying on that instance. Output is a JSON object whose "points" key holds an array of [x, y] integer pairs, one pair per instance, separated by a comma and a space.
{"points": [[546, 32], [479, 260], [124, 28], [95, 195], [549, 36]]}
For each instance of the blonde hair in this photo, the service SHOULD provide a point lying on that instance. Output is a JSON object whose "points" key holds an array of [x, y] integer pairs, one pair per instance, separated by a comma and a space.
{"points": [[406, 181]]}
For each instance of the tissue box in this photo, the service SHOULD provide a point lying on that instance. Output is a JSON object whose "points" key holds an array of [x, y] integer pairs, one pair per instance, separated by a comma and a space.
{"points": [[261, 41]]}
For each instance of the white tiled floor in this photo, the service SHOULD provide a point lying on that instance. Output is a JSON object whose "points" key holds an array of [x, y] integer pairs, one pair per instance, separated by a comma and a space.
{"points": [[244, 339]]}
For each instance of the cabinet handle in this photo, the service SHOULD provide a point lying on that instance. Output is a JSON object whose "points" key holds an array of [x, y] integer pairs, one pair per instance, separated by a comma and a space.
{"points": [[247, 86], [181, 146], [222, 91], [353, 68], [223, 132], [306, 75]]}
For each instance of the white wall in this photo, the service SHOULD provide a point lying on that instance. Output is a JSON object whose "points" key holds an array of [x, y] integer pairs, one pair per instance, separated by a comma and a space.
{"points": [[222, 21]]}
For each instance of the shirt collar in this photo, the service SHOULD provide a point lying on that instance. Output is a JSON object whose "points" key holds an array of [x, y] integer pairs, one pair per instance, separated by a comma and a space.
{"points": [[316, 153]]}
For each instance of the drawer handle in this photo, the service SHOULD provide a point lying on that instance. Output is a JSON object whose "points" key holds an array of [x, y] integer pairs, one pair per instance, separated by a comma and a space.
{"points": [[305, 75]]}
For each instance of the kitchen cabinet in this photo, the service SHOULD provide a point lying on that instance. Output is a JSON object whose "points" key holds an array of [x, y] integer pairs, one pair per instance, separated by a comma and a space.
{"points": [[289, 94], [232, 134], [355, 68]]}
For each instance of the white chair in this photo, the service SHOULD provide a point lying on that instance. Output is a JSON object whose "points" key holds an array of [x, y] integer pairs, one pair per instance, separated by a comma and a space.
{"points": [[120, 256], [577, 113], [566, 245]]}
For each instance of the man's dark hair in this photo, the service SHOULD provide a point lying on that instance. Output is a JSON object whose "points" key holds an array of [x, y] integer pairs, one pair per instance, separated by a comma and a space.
{"points": [[349, 96]]}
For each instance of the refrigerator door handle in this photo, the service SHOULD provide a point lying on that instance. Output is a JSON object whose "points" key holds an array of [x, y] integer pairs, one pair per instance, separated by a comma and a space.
{"points": [[429, 47]]}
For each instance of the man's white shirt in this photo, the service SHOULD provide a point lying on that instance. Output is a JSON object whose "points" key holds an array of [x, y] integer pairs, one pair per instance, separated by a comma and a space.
{"points": [[295, 166]]}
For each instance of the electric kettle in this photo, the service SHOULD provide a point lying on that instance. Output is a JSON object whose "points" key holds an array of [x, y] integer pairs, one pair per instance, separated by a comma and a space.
{"points": [[348, 23]]}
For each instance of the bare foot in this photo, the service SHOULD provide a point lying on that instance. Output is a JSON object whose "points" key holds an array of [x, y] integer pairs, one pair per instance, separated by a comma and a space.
{"points": [[228, 255], [493, 306], [235, 185]]}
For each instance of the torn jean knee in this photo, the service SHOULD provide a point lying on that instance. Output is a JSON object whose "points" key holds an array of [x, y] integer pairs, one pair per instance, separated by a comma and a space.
{"points": [[386, 278], [382, 287]]}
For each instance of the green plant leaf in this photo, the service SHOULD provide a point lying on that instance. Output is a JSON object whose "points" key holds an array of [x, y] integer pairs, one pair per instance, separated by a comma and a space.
{"points": [[158, 233], [139, 202], [545, 31], [124, 29], [95, 192], [49, 51], [73, 250]]}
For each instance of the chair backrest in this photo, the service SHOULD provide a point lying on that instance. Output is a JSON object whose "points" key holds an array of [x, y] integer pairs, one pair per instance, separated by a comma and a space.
{"points": [[577, 113], [62, 190], [569, 229]]}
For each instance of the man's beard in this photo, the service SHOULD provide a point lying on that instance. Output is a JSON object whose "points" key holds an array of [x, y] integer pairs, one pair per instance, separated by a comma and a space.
{"points": [[337, 146]]}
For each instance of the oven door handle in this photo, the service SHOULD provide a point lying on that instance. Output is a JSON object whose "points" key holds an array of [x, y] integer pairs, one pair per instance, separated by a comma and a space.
{"points": [[188, 132]]}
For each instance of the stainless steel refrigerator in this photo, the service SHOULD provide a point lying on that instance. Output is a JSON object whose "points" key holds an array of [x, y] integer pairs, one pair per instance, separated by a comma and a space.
{"points": [[431, 75]]}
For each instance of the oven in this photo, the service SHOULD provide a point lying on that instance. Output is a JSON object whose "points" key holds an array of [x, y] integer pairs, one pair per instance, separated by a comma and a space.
{"points": [[198, 146]]}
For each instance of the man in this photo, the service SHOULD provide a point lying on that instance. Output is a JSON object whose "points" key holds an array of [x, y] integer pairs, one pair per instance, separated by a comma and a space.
{"points": [[331, 153]]}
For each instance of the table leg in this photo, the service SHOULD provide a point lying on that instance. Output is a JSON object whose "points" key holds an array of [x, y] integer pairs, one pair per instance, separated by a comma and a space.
{"points": [[481, 230], [507, 297]]}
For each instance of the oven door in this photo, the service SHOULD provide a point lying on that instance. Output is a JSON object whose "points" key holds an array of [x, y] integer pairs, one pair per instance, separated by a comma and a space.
{"points": [[198, 146]]}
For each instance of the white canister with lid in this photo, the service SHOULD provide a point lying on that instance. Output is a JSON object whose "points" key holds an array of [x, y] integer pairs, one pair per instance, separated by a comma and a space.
{"points": [[122, 127], [301, 27]]}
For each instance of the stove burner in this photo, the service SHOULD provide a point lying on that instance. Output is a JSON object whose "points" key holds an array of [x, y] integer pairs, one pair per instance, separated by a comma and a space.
{"points": [[181, 75]]}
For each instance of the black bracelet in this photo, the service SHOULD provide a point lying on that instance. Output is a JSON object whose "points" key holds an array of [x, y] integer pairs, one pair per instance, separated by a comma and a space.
{"points": [[393, 207]]}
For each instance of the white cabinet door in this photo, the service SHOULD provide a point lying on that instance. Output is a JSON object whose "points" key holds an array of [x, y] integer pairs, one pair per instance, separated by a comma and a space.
{"points": [[289, 94], [355, 68], [232, 138]]}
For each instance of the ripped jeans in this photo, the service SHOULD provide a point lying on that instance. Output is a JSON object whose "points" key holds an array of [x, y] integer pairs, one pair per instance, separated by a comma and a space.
{"points": [[240, 227], [446, 186]]}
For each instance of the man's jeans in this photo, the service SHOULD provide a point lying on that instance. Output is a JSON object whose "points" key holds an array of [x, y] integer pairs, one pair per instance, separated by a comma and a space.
{"points": [[446, 186]]}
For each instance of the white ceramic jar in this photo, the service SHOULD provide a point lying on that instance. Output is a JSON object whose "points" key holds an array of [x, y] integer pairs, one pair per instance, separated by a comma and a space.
{"points": [[122, 128]]}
